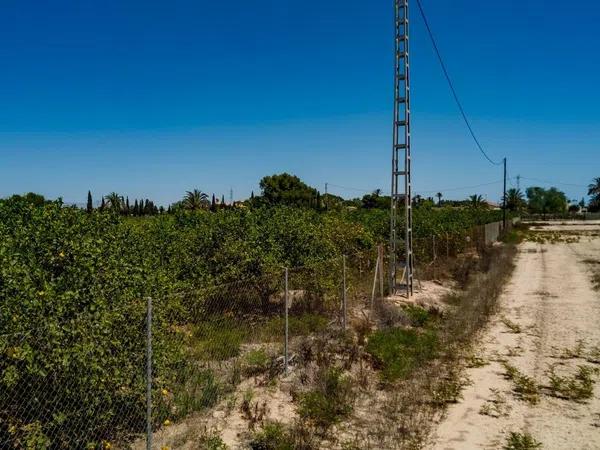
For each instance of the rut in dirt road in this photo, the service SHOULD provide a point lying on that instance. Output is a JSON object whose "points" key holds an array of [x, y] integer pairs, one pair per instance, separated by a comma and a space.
{"points": [[542, 356]]}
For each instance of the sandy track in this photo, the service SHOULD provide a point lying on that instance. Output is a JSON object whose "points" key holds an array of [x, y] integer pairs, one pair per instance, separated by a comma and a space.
{"points": [[550, 297]]}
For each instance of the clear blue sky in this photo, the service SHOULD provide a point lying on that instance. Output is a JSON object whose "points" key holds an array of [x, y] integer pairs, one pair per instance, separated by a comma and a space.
{"points": [[152, 98]]}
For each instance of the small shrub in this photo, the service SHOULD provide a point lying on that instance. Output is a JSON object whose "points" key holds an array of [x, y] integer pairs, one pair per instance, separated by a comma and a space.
{"points": [[211, 441], [577, 387], [256, 362], [527, 389], [418, 316], [330, 401], [399, 351], [273, 436], [199, 391], [449, 389], [521, 441], [524, 386], [303, 325], [219, 340]]}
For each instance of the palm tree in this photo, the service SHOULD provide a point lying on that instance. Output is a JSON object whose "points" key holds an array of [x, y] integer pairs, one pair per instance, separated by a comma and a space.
{"points": [[594, 192], [195, 200], [439, 196], [515, 200], [476, 201], [115, 201]]}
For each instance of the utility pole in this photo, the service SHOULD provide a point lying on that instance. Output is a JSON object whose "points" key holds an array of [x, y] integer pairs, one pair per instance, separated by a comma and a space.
{"points": [[504, 199], [401, 151], [326, 202]]}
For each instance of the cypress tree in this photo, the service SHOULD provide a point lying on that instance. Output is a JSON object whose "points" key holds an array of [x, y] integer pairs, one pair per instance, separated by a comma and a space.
{"points": [[103, 205], [223, 201], [135, 208], [213, 204], [90, 203], [127, 209]]}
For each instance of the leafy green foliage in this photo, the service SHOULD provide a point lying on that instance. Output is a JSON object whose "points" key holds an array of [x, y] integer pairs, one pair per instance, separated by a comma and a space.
{"points": [[330, 401], [418, 317], [273, 436], [521, 441], [546, 201], [73, 289], [286, 189], [397, 351]]}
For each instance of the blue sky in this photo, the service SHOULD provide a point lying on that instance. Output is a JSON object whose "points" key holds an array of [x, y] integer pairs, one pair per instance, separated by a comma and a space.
{"points": [[154, 98]]}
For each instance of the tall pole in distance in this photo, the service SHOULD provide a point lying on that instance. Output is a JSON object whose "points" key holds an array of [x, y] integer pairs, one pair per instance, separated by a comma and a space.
{"points": [[504, 199]]}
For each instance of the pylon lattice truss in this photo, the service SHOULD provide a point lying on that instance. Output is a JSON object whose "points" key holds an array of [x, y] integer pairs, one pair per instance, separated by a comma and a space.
{"points": [[401, 176]]}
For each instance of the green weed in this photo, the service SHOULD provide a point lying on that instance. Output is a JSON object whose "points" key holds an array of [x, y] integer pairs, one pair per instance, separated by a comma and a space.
{"points": [[524, 386], [273, 436], [577, 387], [218, 340], [521, 441], [200, 391], [298, 326], [255, 362], [418, 317], [399, 351], [330, 401], [211, 441]]}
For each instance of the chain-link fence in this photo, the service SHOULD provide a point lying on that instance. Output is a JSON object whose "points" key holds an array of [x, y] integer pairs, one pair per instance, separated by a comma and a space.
{"points": [[157, 361]]}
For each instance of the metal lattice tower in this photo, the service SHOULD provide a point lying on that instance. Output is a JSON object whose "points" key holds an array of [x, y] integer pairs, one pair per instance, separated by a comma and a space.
{"points": [[401, 151]]}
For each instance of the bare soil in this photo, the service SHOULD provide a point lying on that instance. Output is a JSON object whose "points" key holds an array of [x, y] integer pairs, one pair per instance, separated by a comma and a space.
{"points": [[549, 317]]}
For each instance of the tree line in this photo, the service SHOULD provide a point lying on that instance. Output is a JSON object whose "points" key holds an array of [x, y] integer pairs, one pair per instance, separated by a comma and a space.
{"points": [[289, 190]]}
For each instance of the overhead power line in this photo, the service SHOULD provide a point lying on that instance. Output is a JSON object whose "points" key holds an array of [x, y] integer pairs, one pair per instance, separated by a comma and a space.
{"points": [[555, 182], [459, 188], [451, 85], [462, 188]]}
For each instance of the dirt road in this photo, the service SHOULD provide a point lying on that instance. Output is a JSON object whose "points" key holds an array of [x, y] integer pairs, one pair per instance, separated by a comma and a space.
{"points": [[549, 318]]}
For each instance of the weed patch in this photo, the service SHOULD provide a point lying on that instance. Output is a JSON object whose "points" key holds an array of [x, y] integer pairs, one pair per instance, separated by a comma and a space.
{"points": [[524, 386], [218, 340], [496, 406], [273, 436], [255, 362], [200, 391], [577, 387], [521, 441], [397, 352], [303, 325], [330, 401], [418, 317]]}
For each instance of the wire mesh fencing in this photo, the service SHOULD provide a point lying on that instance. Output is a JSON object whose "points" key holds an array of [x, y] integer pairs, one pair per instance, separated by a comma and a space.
{"points": [[74, 385], [150, 363]]}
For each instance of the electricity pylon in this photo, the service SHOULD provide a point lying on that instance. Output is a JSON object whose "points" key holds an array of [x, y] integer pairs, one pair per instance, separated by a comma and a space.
{"points": [[401, 152]]}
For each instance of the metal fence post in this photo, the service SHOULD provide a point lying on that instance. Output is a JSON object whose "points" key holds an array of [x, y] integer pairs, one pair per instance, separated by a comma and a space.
{"points": [[381, 268], [344, 311], [434, 255], [287, 329], [377, 269], [149, 374]]}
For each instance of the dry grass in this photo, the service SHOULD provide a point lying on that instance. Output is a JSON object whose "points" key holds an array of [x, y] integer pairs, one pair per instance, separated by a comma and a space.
{"points": [[383, 383]]}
